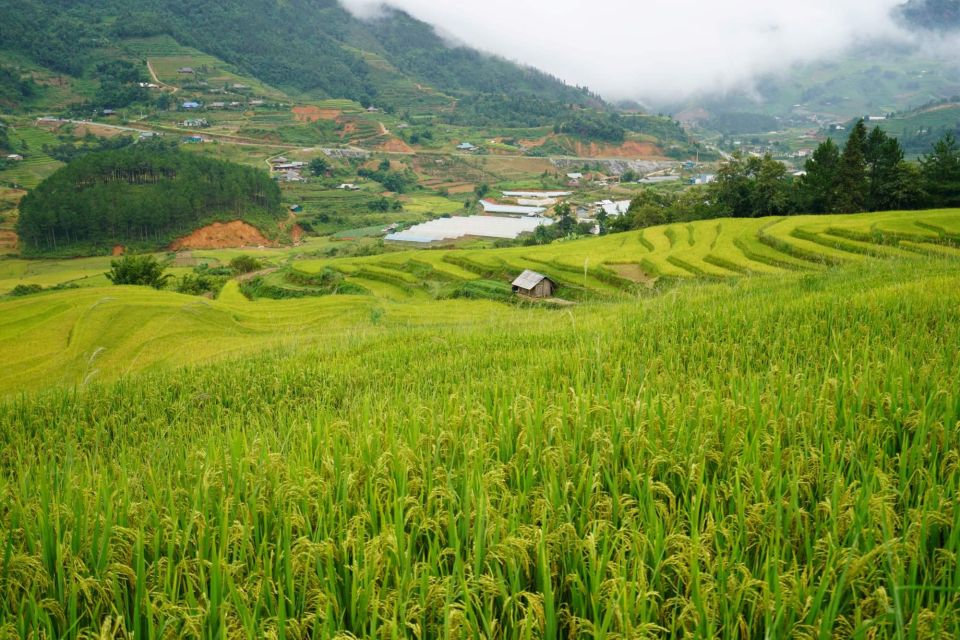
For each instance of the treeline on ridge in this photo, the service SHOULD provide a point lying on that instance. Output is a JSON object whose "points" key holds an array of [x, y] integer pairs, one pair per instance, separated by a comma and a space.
{"points": [[868, 173], [144, 195]]}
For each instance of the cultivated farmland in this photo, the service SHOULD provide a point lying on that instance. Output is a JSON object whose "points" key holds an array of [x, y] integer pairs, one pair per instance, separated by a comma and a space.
{"points": [[762, 456], [613, 266]]}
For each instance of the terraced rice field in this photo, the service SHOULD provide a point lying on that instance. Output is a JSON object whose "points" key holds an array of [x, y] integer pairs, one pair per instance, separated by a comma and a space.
{"points": [[715, 249], [76, 336], [769, 457], [36, 165]]}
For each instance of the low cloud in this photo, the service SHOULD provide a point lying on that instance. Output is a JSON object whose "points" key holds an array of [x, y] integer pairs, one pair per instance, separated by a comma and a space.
{"points": [[652, 50]]}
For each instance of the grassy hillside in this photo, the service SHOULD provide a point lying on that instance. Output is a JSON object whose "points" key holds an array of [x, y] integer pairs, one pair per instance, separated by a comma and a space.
{"points": [[314, 48], [770, 457], [918, 130], [60, 337]]}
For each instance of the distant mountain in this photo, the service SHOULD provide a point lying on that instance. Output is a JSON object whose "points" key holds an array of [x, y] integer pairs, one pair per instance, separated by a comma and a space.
{"points": [[931, 15], [875, 80], [312, 47]]}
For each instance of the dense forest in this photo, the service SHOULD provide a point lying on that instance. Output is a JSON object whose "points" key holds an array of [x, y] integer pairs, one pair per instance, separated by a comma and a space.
{"points": [[301, 45], [613, 127], [15, 88], [144, 194]]}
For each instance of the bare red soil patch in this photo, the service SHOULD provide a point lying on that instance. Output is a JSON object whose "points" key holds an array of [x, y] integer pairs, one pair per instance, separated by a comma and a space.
{"points": [[626, 150], [312, 114], [395, 145], [218, 235]]}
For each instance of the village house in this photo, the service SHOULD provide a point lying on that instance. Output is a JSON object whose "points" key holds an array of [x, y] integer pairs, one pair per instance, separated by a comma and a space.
{"points": [[531, 284], [348, 186], [466, 146], [198, 123], [218, 105], [290, 176], [704, 178], [190, 105], [289, 166], [15, 157]]}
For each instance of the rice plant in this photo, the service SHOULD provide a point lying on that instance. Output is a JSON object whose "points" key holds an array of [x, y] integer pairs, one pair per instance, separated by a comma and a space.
{"points": [[754, 458]]}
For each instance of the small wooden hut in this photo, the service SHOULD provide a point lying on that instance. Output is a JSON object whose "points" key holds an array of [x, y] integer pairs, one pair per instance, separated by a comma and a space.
{"points": [[534, 285]]}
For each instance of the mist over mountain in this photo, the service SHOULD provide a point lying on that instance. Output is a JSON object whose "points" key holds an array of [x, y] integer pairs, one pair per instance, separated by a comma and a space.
{"points": [[754, 54], [931, 15]]}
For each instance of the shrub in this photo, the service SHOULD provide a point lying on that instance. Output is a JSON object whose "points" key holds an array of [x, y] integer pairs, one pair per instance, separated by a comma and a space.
{"points": [[200, 284], [26, 289], [245, 264], [138, 270]]}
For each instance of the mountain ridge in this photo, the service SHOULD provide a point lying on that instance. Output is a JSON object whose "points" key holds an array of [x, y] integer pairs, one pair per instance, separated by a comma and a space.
{"points": [[310, 47]]}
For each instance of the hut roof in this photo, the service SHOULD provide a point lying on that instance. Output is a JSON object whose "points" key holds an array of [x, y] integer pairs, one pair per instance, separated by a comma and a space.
{"points": [[529, 279]]}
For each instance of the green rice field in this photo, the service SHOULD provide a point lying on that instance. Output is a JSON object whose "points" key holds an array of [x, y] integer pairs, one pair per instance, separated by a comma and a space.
{"points": [[616, 265], [744, 429]]}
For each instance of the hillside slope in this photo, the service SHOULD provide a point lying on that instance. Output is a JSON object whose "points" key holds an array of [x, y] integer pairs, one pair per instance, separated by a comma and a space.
{"points": [[304, 46], [61, 337], [619, 265]]}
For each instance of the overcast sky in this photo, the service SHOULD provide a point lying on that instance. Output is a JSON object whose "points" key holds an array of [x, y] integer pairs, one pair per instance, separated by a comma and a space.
{"points": [[654, 50]]}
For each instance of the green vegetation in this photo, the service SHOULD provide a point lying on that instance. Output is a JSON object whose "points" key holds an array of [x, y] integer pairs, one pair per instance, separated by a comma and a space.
{"points": [[15, 90], [138, 270], [620, 265], [315, 48], [144, 194], [245, 264], [919, 129], [773, 458], [868, 174], [740, 122]]}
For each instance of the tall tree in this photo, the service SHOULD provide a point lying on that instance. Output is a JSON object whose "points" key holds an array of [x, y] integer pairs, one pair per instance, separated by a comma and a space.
{"points": [[852, 186], [941, 173], [818, 188], [905, 190], [884, 158], [771, 193], [733, 189]]}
